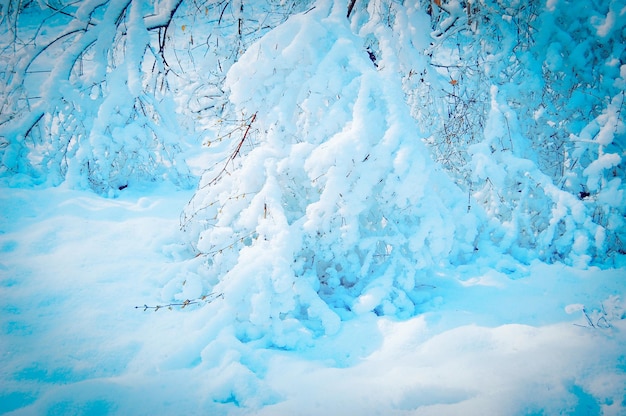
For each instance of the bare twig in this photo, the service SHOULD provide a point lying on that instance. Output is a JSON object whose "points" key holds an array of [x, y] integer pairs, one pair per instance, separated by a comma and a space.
{"points": [[350, 7], [203, 299], [234, 154]]}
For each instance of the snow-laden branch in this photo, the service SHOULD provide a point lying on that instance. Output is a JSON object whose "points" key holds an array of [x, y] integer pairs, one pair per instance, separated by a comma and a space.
{"points": [[164, 16]]}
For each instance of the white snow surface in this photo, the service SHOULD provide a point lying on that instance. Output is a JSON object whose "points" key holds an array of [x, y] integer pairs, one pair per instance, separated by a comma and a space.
{"points": [[524, 340]]}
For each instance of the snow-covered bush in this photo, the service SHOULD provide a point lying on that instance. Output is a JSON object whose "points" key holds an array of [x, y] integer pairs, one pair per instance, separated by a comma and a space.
{"points": [[103, 94], [204, 40], [322, 200], [509, 96], [84, 95], [327, 202]]}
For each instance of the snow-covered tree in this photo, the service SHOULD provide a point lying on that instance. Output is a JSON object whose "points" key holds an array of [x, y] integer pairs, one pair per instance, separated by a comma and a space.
{"points": [[327, 203], [323, 202], [509, 96], [91, 90], [84, 97]]}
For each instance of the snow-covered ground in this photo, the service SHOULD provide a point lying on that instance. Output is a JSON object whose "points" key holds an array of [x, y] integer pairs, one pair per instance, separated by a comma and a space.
{"points": [[73, 267]]}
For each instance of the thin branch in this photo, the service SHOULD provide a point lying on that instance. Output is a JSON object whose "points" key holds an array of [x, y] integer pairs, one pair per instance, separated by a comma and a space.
{"points": [[163, 19], [350, 7], [203, 299], [232, 155]]}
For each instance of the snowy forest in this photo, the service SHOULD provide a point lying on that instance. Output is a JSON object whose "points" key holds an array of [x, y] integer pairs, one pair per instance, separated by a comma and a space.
{"points": [[334, 207]]}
